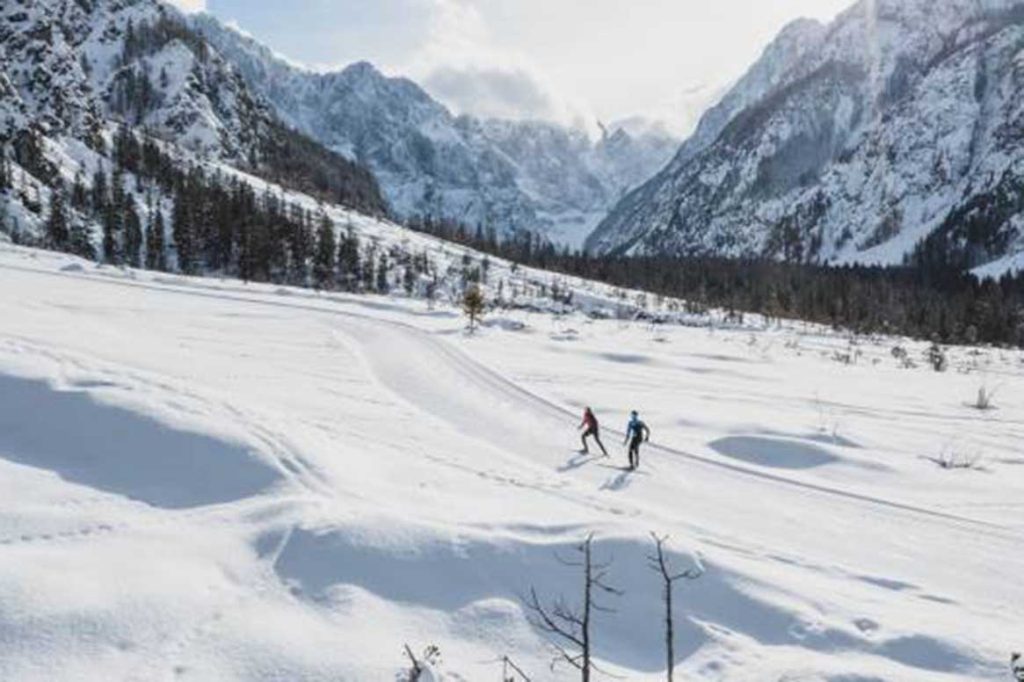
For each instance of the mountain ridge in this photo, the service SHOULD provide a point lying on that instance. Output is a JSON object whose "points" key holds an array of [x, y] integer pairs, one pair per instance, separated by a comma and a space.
{"points": [[847, 143], [433, 163], [79, 71]]}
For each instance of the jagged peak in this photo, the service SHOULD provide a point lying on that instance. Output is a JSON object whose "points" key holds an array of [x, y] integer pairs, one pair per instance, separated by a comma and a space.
{"points": [[362, 69], [801, 29], [830, 117]]}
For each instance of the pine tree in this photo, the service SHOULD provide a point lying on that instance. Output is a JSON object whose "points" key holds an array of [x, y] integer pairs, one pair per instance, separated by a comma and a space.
{"points": [[296, 237], [113, 222], [326, 251], [79, 195], [409, 280], [383, 275], [111, 235], [245, 259], [156, 258], [99, 197], [349, 273], [80, 241], [369, 271], [57, 233], [4, 226], [6, 181], [132, 235], [184, 238]]}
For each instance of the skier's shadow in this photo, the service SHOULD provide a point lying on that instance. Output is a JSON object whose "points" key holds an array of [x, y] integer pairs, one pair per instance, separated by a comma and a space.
{"points": [[621, 480], [578, 461]]}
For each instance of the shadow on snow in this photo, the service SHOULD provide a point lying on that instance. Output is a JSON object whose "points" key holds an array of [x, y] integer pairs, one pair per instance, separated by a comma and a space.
{"points": [[123, 452]]}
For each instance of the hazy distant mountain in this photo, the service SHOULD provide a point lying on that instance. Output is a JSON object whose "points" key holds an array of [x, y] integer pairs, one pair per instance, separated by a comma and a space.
{"points": [[507, 175]]}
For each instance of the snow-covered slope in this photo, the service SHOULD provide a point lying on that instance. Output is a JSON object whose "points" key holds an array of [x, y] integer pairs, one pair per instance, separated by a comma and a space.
{"points": [[853, 142], [506, 175], [71, 73], [77, 65], [212, 480], [216, 481]]}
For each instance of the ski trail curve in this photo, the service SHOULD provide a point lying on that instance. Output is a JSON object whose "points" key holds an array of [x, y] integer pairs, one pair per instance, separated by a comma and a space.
{"points": [[445, 382], [418, 366]]}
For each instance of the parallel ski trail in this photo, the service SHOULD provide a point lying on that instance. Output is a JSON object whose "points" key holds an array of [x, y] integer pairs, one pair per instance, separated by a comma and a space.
{"points": [[459, 362]]}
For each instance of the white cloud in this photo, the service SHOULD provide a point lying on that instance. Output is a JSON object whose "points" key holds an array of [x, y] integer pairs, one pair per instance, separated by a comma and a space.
{"points": [[462, 65], [191, 5], [491, 92], [680, 112], [570, 61], [581, 60]]}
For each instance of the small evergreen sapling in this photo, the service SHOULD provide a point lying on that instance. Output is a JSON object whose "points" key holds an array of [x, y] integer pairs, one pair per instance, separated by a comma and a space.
{"points": [[473, 304]]}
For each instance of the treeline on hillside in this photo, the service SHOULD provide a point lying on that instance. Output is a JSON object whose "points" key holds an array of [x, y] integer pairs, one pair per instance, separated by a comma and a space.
{"points": [[278, 153], [218, 223], [976, 232], [937, 301], [290, 159], [155, 214]]}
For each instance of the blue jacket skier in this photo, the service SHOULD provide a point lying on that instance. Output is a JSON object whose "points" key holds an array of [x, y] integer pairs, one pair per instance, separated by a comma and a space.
{"points": [[636, 433]]}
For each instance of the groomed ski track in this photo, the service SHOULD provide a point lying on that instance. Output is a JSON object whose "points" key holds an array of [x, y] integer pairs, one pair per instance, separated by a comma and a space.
{"points": [[420, 368]]}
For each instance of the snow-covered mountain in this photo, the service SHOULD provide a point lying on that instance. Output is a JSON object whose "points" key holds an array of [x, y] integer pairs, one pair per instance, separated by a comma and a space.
{"points": [[507, 175], [71, 73], [73, 66], [853, 142]]}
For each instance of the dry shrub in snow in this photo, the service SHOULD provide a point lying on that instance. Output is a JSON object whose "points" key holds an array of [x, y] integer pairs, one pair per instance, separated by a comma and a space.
{"points": [[952, 457], [903, 357], [937, 358], [829, 419], [985, 396]]}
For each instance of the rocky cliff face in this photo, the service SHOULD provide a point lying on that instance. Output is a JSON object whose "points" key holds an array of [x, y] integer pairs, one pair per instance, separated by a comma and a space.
{"points": [[73, 72], [900, 121], [75, 65]]}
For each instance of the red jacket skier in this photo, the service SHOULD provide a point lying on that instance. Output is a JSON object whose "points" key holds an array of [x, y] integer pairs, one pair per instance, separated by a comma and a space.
{"points": [[591, 428]]}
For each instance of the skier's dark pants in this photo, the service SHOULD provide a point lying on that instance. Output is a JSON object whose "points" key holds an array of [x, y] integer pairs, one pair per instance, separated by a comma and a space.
{"points": [[592, 432], [634, 452]]}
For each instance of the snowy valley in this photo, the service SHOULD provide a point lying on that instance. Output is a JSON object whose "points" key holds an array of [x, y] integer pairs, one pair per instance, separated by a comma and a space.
{"points": [[246, 434], [359, 474]]}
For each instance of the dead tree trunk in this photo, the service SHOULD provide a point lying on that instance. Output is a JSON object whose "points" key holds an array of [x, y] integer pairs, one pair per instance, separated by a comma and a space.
{"points": [[508, 664], [417, 668], [570, 627], [660, 563], [587, 595]]}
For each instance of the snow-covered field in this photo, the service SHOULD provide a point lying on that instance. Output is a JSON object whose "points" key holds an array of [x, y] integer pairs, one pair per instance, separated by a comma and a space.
{"points": [[205, 480]]}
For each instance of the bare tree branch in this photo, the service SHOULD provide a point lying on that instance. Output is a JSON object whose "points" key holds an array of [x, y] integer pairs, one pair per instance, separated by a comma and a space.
{"points": [[509, 663], [571, 626], [548, 621], [659, 562], [417, 668]]}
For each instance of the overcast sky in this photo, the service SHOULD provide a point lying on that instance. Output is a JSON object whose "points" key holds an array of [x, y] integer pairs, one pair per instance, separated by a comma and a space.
{"points": [[567, 60]]}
